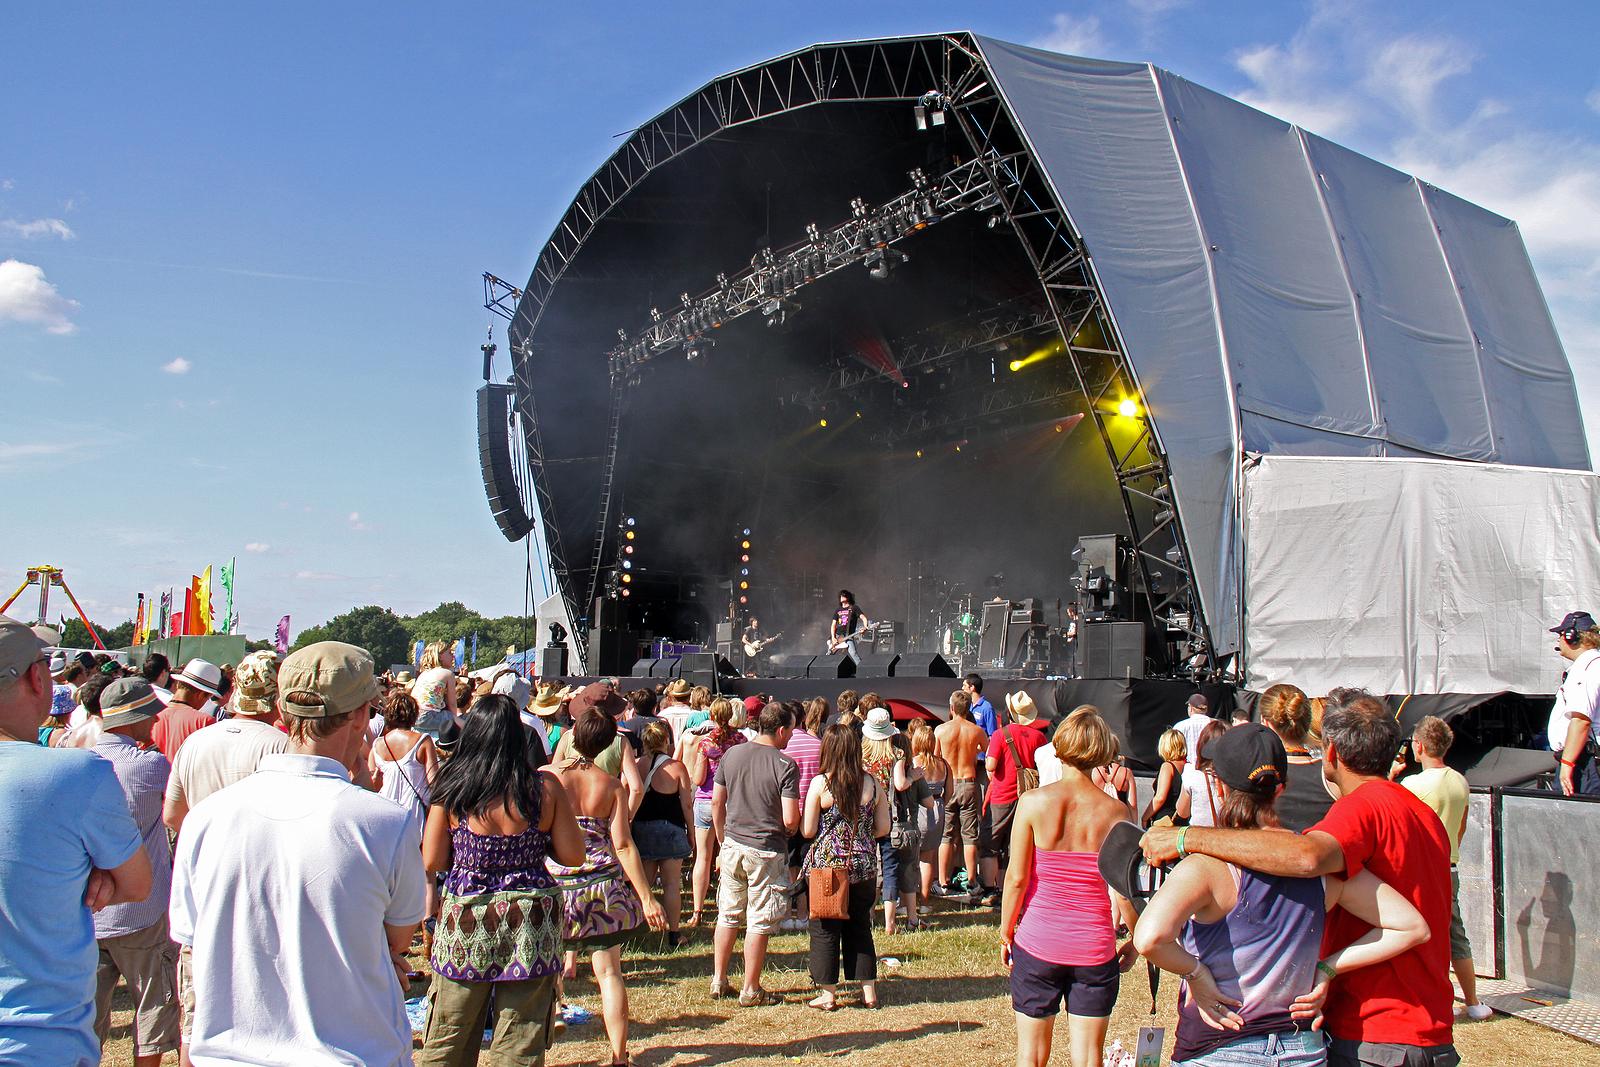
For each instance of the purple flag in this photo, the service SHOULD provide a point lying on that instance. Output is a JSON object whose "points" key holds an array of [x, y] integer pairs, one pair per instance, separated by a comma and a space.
{"points": [[283, 636]]}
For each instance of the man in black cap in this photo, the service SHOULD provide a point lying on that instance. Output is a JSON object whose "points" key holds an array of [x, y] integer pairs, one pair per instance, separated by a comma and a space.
{"points": [[1571, 731]]}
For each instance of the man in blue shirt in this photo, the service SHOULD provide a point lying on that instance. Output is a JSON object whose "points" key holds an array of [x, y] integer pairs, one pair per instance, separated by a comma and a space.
{"points": [[67, 845], [982, 711]]}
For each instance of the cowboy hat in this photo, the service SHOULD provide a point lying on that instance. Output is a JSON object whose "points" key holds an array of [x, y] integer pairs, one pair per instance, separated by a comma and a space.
{"points": [[678, 687], [547, 702], [1021, 707]]}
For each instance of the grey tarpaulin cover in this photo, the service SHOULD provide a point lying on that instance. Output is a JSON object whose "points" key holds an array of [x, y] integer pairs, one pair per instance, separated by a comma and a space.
{"points": [[1280, 293], [1414, 576]]}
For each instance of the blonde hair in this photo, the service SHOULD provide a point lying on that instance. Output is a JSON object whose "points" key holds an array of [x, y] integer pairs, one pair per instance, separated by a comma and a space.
{"points": [[699, 698], [658, 738], [1588, 639], [431, 654], [1433, 736], [741, 715], [874, 749], [1084, 740], [924, 748], [1172, 747], [721, 712], [1317, 704], [1286, 710]]}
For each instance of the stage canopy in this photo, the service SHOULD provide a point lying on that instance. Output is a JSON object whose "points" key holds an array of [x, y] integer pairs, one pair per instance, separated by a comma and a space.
{"points": [[1256, 289]]}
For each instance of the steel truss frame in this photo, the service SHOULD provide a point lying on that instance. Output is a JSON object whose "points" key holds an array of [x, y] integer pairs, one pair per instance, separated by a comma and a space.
{"points": [[946, 73]]}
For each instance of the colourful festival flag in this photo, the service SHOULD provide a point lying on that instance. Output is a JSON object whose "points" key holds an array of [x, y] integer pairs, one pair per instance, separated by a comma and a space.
{"points": [[461, 651], [227, 586], [178, 624], [162, 628], [139, 623], [283, 636], [474, 650], [416, 654], [202, 601], [191, 613]]}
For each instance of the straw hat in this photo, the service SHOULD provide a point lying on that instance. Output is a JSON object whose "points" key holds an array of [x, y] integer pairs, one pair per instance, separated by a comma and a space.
{"points": [[547, 702], [1021, 707], [679, 688]]}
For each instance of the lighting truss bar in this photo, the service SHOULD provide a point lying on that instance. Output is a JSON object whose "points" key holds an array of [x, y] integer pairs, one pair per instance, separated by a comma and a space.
{"points": [[500, 296], [992, 403], [913, 356], [773, 277]]}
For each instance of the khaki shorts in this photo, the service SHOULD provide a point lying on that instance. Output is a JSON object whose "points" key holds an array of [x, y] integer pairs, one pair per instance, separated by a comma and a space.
{"points": [[962, 810], [186, 990], [1460, 947], [147, 959], [753, 891]]}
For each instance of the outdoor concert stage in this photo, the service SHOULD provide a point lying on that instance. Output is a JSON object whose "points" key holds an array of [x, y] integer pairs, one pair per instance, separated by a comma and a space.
{"points": [[913, 317]]}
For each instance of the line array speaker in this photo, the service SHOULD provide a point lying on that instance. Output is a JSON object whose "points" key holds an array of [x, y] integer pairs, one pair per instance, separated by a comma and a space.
{"points": [[494, 461]]}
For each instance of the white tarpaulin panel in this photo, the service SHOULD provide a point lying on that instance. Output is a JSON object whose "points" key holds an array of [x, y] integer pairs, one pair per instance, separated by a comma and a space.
{"points": [[1414, 575]]}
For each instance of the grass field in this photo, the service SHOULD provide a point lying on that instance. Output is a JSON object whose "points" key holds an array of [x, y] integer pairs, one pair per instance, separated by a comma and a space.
{"points": [[946, 1003]]}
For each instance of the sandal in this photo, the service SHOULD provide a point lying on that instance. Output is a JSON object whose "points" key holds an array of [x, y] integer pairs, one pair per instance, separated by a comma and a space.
{"points": [[694, 918], [761, 998], [722, 992], [824, 1003], [872, 1005]]}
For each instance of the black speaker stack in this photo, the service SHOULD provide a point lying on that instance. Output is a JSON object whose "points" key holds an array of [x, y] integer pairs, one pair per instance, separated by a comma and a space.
{"points": [[494, 461]]}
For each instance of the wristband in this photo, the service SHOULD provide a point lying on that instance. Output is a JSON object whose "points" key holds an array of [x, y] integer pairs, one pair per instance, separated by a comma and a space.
{"points": [[1183, 832], [1327, 969], [1198, 963], [1568, 762]]}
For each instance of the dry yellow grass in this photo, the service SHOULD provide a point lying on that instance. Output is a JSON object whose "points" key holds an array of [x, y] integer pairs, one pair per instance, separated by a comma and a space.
{"points": [[947, 1003]]}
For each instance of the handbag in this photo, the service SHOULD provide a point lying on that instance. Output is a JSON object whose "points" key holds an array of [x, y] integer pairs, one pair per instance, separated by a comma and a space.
{"points": [[830, 892], [1027, 777]]}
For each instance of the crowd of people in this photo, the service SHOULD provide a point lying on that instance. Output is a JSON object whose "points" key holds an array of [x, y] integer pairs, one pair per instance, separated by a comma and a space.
{"points": [[257, 850]]}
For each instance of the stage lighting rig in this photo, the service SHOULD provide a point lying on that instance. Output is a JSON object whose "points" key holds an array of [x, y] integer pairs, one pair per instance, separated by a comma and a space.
{"points": [[929, 109], [773, 276]]}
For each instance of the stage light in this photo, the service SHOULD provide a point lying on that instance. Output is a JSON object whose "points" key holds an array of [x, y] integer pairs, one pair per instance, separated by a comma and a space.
{"points": [[744, 572], [744, 600], [627, 564], [1017, 365], [1128, 408], [631, 520], [627, 592], [629, 535], [628, 549], [747, 531], [919, 453], [744, 544], [626, 578], [744, 559], [858, 414], [744, 585], [822, 423]]}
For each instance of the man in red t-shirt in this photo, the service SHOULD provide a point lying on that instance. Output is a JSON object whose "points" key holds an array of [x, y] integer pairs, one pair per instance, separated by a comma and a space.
{"points": [[1017, 740], [1392, 1013], [197, 686]]}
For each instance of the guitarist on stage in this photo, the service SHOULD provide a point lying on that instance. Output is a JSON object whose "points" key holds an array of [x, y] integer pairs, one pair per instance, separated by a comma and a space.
{"points": [[754, 644], [849, 623]]}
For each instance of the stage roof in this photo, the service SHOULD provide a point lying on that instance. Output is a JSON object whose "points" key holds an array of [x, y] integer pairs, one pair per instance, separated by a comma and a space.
{"points": [[1273, 292]]}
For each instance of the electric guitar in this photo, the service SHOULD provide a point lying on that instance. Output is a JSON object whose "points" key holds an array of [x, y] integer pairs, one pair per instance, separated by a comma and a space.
{"points": [[839, 644], [755, 648]]}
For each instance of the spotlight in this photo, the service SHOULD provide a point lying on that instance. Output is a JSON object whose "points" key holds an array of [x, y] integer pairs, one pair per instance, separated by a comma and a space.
{"points": [[822, 423], [627, 592], [632, 521], [627, 549], [744, 545], [626, 578], [744, 572], [627, 564], [747, 531], [1016, 365], [919, 453], [629, 535], [1128, 408], [742, 585], [744, 559], [744, 600]]}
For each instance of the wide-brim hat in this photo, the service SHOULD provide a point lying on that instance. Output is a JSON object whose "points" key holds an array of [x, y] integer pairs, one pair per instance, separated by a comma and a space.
{"points": [[879, 725], [678, 687], [128, 701], [547, 702], [1021, 707], [255, 684], [600, 696], [515, 686], [202, 675]]}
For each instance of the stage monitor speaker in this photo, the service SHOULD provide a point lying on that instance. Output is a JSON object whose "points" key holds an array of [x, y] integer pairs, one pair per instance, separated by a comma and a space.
{"points": [[652, 667], [1111, 650], [790, 664], [923, 665], [707, 669], [666, 667], [876, 664], [992, 634], [553, 661], [724, 632], [831, 667], [494, 461]]}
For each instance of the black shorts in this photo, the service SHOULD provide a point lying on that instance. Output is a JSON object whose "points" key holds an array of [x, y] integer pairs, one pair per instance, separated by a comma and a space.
{"points": [[1038, 988]]}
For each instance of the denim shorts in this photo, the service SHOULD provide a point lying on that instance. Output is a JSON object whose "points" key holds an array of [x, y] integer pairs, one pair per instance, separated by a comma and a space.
{"points": [[702, 814], [661, 840], [1304, 1048]]}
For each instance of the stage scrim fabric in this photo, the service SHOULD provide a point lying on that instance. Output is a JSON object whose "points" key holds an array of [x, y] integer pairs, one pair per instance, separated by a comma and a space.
{"points": [[1414, 576]]}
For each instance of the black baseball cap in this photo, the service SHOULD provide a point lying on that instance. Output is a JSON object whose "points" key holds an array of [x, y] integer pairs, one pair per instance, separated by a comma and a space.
{"points": [[1122, 865], [1575, 620], [1250, 758]]}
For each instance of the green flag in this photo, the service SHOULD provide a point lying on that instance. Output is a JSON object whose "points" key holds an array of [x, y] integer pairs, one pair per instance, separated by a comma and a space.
{"points": [[227, 585]]}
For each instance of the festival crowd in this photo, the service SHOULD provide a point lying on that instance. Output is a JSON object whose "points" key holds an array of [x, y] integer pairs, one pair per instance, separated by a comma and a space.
{"points": [[256, 850]]}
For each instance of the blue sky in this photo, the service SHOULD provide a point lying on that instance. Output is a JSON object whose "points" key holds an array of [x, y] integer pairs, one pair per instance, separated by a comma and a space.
{"points": [[240, 244]]}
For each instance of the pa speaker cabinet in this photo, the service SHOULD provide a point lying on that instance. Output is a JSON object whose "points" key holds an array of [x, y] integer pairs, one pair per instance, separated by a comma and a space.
{"points": [[643, 668], [791, 664], [831, 667], [992, 635], [553, 661], [923, 665], [876, 664], [1111, 649]]}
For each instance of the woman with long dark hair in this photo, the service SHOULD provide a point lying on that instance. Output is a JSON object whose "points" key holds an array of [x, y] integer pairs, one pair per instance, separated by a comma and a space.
{"points": [[604, 896], [493, 822], [846, 811]]}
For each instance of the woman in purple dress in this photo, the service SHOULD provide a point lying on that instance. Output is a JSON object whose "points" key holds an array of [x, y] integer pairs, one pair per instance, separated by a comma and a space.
{"points": [[605, 896], [493, 822]]}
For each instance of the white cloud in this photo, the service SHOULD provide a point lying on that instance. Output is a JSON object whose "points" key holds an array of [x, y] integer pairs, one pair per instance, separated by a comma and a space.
{"points": [[1154, 8], [1292, 81], [355, 521], [257, 546], [1074, 35], [35, 228], [6, 185], [25, 296], [1411, 69], [11, 454], [177, 366]]}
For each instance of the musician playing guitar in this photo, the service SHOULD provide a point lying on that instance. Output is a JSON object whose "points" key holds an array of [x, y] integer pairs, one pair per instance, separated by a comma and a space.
{"points": [[849, 623], [752, 640]]}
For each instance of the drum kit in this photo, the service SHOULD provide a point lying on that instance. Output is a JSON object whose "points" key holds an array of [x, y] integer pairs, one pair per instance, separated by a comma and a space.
{"points": [[958, 631]]}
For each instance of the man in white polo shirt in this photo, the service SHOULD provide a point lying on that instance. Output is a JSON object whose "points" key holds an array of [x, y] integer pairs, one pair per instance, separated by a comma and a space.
{"points": [[1571, 730], [1190, 725], [297, 890]]}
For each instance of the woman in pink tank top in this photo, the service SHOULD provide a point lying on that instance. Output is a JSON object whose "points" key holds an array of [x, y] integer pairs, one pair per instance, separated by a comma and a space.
{"points": [[1058, 935]]}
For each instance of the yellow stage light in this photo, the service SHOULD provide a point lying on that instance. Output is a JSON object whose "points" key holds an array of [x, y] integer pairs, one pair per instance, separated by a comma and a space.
{"points": [[919, 453], [626, 578], [1016, 364], [823, 423], [629, 535], [1128, 408], [744, 544], [744, 585]]}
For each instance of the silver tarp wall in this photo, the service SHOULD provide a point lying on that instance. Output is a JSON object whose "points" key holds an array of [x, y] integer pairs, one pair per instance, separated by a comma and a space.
{"points": [[1280, 294], [1413, 575]]}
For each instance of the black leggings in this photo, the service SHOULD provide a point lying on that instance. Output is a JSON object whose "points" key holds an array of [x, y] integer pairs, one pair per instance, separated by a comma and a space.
{"points": [[850, 938]]}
